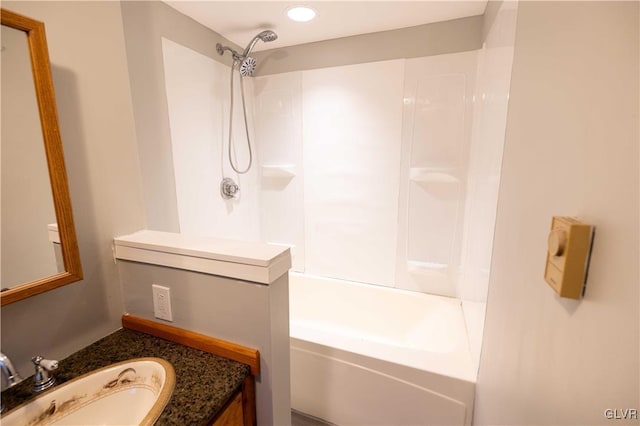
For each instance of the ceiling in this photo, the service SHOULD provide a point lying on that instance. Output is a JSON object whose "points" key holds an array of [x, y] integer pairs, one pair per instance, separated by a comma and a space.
{"points": [[239, 21]]}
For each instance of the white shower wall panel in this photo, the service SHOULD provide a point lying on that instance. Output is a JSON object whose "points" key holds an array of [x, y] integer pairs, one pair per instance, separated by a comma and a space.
{"points": [[439, 97], [352, 119], [489, 124], [197, 90], [436, 135], [278, 120]]}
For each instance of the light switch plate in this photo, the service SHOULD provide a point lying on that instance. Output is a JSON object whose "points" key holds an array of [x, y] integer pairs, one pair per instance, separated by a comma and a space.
{"points": [[568, 255]]}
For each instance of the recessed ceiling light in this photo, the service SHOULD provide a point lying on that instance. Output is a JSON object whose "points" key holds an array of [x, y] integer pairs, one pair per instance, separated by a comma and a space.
{"points": [[301, 14]]}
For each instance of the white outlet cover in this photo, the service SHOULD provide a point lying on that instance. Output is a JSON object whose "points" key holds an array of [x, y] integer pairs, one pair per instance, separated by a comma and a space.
{"points": [[162, 302]]}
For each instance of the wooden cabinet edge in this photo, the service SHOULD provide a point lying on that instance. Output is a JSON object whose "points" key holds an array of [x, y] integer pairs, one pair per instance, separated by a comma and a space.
{"points": [[249, 401], [232, 414], [240, 410], [222, 348]]}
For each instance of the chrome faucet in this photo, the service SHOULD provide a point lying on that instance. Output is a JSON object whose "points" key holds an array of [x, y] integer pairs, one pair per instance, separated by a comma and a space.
{"points": [[43, 379], [13, 378]]}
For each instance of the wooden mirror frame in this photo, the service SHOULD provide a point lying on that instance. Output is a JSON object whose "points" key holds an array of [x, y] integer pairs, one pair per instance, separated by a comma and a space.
{"points": [[43, 83]]}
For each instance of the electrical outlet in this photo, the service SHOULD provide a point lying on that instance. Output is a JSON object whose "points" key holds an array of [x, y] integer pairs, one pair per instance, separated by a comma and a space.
{"points": [[162, 302]]}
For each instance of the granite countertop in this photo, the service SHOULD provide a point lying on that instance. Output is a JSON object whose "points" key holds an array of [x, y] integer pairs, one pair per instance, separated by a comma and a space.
{"points": [[204, 382]]}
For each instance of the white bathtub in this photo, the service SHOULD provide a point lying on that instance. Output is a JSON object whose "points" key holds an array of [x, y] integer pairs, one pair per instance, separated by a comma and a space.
{"points": [[367, 355]]}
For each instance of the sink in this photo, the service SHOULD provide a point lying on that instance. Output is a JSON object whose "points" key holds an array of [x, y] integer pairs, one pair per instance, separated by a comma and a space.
{"points": [[132, 392]]}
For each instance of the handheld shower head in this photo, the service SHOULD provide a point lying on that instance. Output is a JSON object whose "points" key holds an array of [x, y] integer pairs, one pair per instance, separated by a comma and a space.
{"points": [[248, 66], [266, 36]]}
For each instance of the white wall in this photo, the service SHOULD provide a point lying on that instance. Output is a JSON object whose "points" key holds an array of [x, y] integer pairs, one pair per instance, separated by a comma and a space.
{"points": [[89, 67], [571, 149], [358, 133], [352, 122], [436, 135], [485, 160], [197, 90], [278, 136]]}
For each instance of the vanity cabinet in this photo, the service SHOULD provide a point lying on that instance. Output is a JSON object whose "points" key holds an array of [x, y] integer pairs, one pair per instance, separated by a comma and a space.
{"points": [[241, 408], [210, 389], [232, 414]]}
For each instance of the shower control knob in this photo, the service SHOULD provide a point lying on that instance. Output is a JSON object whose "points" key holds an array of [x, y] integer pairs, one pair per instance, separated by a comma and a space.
{"points": [[228, 188]]}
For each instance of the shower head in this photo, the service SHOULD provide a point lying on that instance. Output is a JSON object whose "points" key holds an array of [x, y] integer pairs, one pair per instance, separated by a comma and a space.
{"points": [[247, 63], [265, 36], [248, 66]]}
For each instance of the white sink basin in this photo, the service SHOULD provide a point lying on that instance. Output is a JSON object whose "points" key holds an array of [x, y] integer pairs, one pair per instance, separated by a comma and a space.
{"points": [[133, 392]]}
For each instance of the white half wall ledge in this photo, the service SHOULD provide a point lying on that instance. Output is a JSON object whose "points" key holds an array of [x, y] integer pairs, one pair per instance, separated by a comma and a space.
{"points": [[248, 261]]}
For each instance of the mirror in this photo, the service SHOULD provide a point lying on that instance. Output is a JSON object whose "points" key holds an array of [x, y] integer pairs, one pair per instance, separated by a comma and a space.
{"points": [[38, 245]]}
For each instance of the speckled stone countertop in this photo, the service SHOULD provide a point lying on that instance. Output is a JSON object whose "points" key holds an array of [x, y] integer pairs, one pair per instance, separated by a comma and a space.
{"points": [[204, 382]]}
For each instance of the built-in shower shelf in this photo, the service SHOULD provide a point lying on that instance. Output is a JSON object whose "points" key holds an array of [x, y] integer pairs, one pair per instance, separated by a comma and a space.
{"points": [[418, 265], [284, 171], [427, 269], [426, 175], [430, 277]]}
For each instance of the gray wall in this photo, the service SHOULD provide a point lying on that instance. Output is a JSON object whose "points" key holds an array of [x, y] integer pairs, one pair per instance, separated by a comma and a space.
{"points": [[571, 149], [250, 314], [87, 52], [489, 16], [457, 35], [145, 23]]}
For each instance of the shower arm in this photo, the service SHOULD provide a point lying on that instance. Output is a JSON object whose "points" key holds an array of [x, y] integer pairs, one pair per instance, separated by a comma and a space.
{"points": [[236, 56]]}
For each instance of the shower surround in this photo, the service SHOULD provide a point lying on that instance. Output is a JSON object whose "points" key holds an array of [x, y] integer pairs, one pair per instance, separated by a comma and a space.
{"points": [[361, 169], [384, 174]]}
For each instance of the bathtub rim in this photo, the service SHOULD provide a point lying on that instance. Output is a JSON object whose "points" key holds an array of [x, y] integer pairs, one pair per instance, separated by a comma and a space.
{"points": [[460, 365]]}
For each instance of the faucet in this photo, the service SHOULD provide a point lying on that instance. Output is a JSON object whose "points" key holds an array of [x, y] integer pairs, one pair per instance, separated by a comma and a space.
{"points": [[43, 380], [13, 378]]}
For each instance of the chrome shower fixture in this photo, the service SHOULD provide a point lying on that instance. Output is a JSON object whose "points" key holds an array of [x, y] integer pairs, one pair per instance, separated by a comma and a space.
{"points": [[265, 36], [247, 64], [229, 189], [246, 67]]}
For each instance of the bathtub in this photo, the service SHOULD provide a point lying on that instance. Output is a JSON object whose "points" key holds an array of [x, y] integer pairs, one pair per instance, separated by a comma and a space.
{"points": [[369, 355]]}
